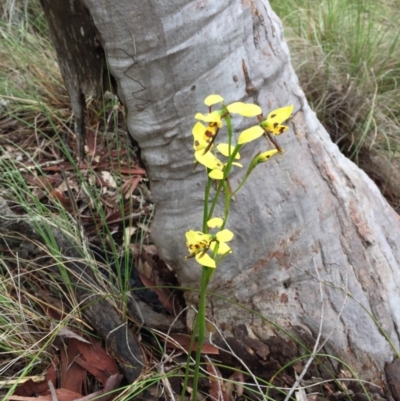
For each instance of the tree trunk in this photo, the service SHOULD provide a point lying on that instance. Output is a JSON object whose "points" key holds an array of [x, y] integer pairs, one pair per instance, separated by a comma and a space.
{"points": [[307, 225]]}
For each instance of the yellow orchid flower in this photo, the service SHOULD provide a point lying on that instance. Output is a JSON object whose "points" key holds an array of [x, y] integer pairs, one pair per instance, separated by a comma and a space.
{"points": [[198, 243], [271, 125], [204, 136], [261, 158], [274, 120]]}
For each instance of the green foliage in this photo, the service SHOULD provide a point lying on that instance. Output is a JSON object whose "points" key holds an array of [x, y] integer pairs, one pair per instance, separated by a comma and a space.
{"points": [[347, 56]]}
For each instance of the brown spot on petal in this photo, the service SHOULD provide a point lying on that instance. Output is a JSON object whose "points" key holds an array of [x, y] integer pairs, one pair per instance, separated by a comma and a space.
{"points": [[282, 130], [196, 143], [273, 116], [275, 125], [208, 134]]}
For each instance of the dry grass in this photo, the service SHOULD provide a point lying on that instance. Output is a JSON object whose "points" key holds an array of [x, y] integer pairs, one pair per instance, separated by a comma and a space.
{"points": [[347, 56]]}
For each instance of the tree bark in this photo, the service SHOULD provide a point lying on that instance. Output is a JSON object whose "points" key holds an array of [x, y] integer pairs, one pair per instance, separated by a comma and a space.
{"points": [[308, 220]]}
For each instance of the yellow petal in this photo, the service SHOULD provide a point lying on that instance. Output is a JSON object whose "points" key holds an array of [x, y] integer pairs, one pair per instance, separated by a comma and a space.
{"points": [[276, 129], [198, 132], [213, 99], [237, 164], [214, 117], [224, 235], [223, 148], [205, 260], [263, 157], [245, 109], [222, 248], [250, 134], [208, 160], [216, 174], [274, 120], [280, 115], [215, 222]]}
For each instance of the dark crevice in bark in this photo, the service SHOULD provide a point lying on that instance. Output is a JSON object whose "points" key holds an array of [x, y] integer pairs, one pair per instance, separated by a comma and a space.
{"points": [[80, 56]]}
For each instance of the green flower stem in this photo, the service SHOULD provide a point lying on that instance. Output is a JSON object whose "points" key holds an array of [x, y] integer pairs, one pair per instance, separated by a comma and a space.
{"points": [[230, 132], [240, 186], [185, 382], [227, 203], [206, 200], [216, 197], [201, 320], [231, 159]]}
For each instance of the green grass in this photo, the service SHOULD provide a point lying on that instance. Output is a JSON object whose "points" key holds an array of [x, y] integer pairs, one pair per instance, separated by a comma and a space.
{"points": [[346, 54]]}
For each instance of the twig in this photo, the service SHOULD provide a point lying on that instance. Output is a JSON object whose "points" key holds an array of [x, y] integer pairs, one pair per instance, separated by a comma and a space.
{"points": [[40, 165], [52, 391]]}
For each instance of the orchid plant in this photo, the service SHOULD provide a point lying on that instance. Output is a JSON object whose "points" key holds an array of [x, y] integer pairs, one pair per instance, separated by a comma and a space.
{"points": [[209, 248]]}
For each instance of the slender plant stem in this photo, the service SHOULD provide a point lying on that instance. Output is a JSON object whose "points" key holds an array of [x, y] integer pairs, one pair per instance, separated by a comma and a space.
{"points": [[206, 200], [201, 319]]}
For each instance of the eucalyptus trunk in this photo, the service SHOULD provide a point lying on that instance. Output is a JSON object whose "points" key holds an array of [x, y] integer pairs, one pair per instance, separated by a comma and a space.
{"points": [[309, 225]]}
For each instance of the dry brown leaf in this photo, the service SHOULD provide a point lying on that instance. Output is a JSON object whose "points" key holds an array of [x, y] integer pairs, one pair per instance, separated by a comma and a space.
{"points": [[31, 387], [72, 376], [217, 385], [96, 361], [61, 393]]}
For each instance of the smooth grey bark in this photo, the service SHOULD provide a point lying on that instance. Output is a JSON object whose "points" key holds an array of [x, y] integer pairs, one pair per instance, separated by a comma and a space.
{"points": [[309, 218]]}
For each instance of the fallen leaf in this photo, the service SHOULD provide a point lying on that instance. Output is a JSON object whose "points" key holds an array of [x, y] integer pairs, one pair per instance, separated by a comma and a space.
{"points": [[61, 393], [96, 361], [217, 385], [31, 387]]}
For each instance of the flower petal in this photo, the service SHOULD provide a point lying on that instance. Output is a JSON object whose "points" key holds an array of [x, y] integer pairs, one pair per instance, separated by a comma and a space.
{"points": [[275, 118], [224, 235], [213, 99], [224, 248], [245, 109], [223, 148], [250, 134], [198, 132], [205, 260], [216, 174], [214, 117], [208, 160], [263, 157], [215, 222], [197, 241]]}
